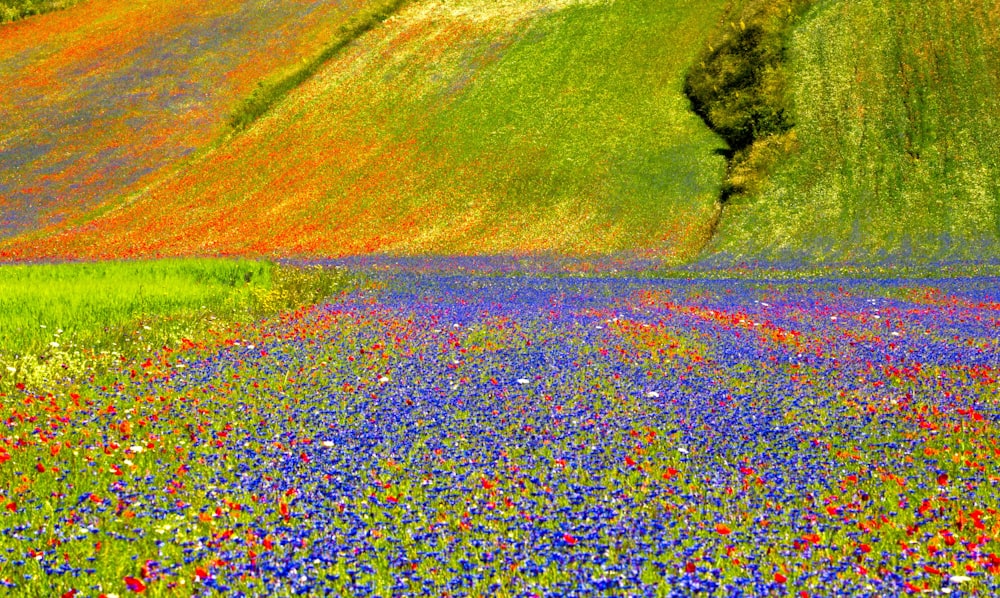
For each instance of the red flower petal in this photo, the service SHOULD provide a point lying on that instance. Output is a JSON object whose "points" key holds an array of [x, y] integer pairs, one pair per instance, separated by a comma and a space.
{"points": [[134, 584]]}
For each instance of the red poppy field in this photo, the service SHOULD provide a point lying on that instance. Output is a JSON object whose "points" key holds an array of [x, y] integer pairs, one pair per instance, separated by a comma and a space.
{"points": [[103, 97]]}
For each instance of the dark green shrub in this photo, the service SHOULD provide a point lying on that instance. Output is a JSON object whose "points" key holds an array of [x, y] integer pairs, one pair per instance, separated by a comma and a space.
{"points": [[13, 10], [738, 87], [736, 90]]}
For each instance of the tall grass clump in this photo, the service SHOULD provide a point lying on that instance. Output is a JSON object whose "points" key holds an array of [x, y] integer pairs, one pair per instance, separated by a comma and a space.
{"points": [[270, 91], [738, 87], [58, 321]]}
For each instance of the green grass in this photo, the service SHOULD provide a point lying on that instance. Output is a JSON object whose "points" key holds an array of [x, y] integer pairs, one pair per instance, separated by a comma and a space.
{"points": [[587, 107], [895, 154], [13, 10], [64, 316]]}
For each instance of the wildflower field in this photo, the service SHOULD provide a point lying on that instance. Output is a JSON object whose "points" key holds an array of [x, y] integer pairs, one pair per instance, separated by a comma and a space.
{"points": [[471, 371], [457, 126], [452, 431], [100, 98], [472, 127]]}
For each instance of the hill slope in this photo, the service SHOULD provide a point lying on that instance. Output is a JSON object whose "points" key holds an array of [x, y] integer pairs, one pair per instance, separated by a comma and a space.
{"points": [[464, 126], [474, 127], [101, 97], [896, 106]]}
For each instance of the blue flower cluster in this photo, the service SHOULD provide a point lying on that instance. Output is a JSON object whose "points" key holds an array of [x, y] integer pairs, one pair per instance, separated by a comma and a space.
{"points": [[514, 434]]}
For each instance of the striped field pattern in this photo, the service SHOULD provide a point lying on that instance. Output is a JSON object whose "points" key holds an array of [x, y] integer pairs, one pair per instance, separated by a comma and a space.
{"points": [[101, 98], [461, 127]]}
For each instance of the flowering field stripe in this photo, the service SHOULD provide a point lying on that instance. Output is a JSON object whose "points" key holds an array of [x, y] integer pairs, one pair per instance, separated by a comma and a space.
{"points": [[102, 97], [509, 434]]}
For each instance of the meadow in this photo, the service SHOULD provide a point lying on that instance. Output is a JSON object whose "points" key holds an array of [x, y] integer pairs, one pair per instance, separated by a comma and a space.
{"points": [[761, 132], [61, 322], [567, 297], [105, 96], [894, 152], [512, 434]]}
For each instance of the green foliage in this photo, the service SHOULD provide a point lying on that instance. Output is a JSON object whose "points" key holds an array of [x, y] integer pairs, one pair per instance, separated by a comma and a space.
{"points": [[269, 92], [897, 113], [61, 319], [13, 10], [87, 301], [738, 86]]}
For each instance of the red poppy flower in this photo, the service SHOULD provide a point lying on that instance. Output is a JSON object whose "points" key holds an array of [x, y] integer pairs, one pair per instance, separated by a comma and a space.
{"points": [[134, 584]]}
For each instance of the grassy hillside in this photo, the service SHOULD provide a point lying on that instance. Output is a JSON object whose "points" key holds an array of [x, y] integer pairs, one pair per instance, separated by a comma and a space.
{"points": [[465, 127], [100, 98], [857, 132], [895, 152]]}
